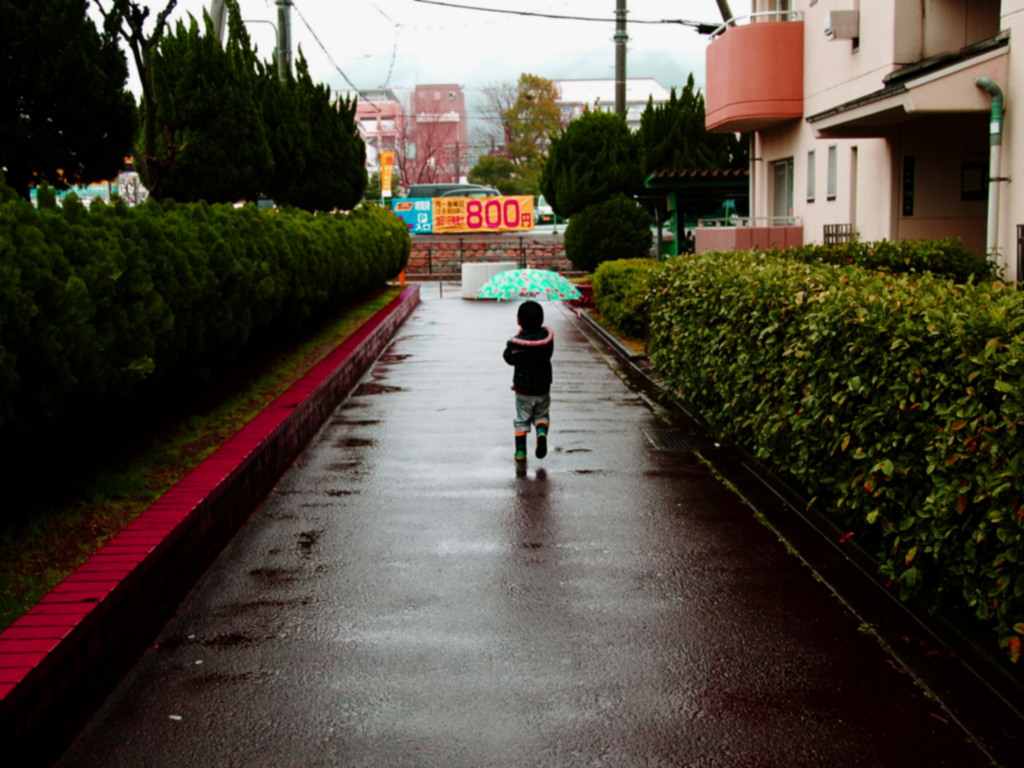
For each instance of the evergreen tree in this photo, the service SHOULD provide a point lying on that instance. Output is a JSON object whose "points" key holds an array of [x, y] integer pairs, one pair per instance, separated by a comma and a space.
{"points": [[207, 96], [674, 138], [595, 157], [65, 116], [287, 135], [335, 167]]}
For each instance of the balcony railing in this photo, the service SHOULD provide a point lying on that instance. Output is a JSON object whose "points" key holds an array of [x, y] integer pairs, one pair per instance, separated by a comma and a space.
{"points": [[751, 221], [754, 18]]}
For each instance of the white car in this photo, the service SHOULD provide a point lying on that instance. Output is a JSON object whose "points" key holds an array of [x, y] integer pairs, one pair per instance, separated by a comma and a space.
{"points": [[542, 212]]}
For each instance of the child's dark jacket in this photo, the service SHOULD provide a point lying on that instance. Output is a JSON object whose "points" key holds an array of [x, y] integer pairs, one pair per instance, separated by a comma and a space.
{"points": [[530, 353]]}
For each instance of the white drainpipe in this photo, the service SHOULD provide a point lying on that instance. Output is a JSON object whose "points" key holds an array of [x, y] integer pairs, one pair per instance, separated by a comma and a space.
{"points": [[995, 140]]}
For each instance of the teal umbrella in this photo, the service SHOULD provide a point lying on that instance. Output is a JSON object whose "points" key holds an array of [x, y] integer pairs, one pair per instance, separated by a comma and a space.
{"points": [[522, 284]]}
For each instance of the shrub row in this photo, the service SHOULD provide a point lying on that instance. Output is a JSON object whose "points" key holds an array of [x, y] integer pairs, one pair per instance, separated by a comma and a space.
{"points": [[613, 229], [621, 294], [98, 303], [896, 401], [942, 257]]}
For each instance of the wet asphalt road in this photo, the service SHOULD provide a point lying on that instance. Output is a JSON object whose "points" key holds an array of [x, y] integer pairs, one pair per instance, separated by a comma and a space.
{"points": [[404, 598]]}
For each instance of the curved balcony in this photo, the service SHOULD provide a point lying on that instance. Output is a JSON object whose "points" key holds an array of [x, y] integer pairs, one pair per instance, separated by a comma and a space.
{"points": [[755, 73]]}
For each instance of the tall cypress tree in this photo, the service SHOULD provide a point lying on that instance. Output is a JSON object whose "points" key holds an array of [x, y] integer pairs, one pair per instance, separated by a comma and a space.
{"points": [[674, 138], [65, 116], [213, 122], [287, 135], [335, 158]]}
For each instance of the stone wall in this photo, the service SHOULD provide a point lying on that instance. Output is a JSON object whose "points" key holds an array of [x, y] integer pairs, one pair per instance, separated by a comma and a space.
{"points": [[436, 258]]}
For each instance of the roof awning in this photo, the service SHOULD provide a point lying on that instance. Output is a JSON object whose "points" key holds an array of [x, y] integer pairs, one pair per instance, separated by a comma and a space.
{"points": [[935, 91], [701, 185]]}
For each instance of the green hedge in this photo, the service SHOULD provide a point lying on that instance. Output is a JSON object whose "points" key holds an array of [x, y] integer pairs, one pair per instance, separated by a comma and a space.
{"points": [[98, 303], [896, 401], [621, 294], [941, 257]]}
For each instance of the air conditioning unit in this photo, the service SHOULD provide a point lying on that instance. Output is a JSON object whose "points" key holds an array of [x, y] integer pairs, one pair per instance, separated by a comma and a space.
{"points": [[842, 25]]}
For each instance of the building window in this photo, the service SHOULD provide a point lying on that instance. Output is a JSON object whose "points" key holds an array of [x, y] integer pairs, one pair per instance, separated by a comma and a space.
{"points": [[833, 171], [811, 169], [908, 185], [783, 9], [782, 209]]}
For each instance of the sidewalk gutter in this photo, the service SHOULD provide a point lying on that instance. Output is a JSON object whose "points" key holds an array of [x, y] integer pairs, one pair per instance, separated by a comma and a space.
{"points": [[978, 689], [63, 657]]}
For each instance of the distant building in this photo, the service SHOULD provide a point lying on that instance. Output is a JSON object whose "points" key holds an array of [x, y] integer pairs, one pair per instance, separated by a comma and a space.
{"points": [[381, 119], [438, 131], [576, 96]]}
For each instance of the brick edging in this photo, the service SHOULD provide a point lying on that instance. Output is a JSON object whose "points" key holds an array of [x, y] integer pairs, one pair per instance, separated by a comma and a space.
{"points": [[60, 659]]}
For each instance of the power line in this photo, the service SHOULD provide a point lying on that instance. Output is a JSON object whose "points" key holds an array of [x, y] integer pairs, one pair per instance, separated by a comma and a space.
{"points": [[324, 48], [355, 87], [394, 47], [701, 27]]}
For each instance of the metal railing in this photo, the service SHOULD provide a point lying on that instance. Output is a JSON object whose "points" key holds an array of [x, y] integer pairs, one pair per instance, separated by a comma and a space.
{"points": [[754, 18], [752, 221]]}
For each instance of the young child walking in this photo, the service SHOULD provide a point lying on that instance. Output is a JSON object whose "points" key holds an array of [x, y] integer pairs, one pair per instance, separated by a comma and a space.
{"points": [[529, 351]]}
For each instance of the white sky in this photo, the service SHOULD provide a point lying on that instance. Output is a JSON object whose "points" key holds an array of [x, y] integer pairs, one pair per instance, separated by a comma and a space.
{"points": [[402, 43]]}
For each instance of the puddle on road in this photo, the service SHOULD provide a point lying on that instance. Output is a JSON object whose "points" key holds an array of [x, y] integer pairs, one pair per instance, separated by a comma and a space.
{"points": [[272, 577], [308, 540], [373, 388], [353, 442]]}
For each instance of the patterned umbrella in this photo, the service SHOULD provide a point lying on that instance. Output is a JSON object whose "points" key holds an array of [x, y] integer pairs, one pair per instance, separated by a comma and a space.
{"points": [[520, 284]]}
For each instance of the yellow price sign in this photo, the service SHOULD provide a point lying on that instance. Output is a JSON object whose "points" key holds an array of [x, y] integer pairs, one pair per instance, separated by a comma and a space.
{"points": [[483, 214]]}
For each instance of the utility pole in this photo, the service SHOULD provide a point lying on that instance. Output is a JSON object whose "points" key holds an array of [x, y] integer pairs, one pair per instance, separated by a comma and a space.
{"points": [[284, 38], [620, 57], [283, 29]]}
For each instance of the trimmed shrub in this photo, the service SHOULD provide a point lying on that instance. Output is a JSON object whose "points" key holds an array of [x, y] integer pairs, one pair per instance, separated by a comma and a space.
{"points": [[617, 228], [622, 294], [593, 159], [101, 305], [941, 257], [895, 401]]}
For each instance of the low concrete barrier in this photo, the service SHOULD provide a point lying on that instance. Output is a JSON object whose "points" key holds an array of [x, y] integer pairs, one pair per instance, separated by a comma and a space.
{"points": [[62, 658], [474, 276]]}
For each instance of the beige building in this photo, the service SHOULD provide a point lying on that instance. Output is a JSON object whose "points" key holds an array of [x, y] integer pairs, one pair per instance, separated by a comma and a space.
{"points": [[577, 96], [890, 119]]}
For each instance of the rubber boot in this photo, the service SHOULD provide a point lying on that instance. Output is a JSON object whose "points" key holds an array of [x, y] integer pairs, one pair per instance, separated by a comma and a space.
{"points": [[520, 446], [542, 439]]}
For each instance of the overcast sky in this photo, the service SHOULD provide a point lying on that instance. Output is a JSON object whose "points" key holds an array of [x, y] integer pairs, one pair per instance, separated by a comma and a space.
{"points": [[402, 43]]}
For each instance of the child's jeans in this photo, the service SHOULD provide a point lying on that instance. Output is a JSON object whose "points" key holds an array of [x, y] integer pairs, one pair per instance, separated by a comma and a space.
{"points": [[530, 409]]}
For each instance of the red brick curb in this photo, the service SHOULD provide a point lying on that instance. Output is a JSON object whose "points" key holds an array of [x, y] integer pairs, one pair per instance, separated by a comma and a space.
{"points": [[59, 660]]}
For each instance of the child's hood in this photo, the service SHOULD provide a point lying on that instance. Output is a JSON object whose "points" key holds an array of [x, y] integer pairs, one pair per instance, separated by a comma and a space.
{"points": [[536, 339]]}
